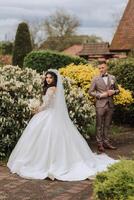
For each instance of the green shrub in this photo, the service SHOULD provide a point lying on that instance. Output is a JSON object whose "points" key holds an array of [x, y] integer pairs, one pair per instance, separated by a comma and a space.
{"points": [[124, 114], [17, 88], [130, 198], [80, 108], [22, 45], [43, 60], [117, 183], [6, 48], [14, 114], [123, 69]]}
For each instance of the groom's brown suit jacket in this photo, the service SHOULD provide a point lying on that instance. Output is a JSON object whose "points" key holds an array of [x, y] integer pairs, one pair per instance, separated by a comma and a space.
{"points": [[98, 86]]}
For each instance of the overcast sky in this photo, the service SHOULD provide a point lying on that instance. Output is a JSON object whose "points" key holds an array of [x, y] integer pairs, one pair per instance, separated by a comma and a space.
{"points": [[97, 17]]}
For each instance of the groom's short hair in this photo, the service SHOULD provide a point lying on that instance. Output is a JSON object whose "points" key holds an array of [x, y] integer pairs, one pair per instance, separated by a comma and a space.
{"points": [[100, 62]]}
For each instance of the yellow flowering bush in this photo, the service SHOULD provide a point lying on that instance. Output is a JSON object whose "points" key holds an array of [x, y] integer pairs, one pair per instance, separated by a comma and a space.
{"points": [[124, 97], [83, 74]]}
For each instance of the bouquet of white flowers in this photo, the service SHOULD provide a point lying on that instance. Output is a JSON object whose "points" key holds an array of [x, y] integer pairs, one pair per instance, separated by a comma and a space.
{"points": [[33, 105]]}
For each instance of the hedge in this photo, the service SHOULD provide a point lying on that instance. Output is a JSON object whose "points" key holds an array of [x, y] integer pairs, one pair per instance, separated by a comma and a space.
{"points": [[44, 60], [117, 183], [123, 69]]}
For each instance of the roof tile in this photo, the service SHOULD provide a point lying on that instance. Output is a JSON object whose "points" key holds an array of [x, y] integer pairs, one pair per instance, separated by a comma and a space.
{"points": [[124, 36]]}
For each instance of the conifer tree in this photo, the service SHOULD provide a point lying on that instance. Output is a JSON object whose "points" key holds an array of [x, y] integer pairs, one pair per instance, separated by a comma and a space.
{"points": [[22, 44]]}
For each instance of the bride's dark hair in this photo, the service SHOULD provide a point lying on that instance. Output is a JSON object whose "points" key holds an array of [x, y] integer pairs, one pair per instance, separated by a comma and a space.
{"points": [[46, 85]]}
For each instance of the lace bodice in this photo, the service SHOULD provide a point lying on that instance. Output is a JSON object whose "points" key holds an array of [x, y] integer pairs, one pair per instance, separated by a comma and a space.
{"points": [[48, 99]]}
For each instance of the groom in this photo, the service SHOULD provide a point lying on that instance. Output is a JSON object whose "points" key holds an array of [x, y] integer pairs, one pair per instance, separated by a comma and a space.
{"points": [[103, 88]]}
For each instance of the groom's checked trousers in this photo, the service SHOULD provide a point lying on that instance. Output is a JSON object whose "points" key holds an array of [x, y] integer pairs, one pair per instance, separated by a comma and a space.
{"points": [[104, 106], [103, 121]]}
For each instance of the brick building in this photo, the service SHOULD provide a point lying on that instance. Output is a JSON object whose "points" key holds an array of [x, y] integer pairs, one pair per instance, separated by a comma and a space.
{"points": [[123, 40], [96, 51], [90, 51], [121, 45]]}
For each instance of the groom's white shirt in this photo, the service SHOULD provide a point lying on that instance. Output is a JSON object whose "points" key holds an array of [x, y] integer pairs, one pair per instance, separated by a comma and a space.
{"points": [[105, 80]]}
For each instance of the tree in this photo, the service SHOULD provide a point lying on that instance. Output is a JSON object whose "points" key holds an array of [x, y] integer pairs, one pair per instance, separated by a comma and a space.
{"points": [[22, 45], [93, 39], [59, 27], [36, 26], [61, 24], [6, 48]]}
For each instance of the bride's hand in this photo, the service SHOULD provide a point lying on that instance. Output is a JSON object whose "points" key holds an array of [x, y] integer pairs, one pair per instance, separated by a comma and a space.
{"points": [[37, 110]]}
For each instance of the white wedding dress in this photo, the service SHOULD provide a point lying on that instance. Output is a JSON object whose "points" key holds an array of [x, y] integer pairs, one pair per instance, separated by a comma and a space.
{"points": [[51, 146]]}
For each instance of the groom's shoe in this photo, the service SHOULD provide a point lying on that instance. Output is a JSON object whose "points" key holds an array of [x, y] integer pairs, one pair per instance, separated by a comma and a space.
{"points": [[109, 146], [101, 148]]}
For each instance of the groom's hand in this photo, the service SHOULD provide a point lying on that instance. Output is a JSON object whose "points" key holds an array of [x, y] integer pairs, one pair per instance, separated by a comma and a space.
{"points": [[104, 94], [111, 92]]}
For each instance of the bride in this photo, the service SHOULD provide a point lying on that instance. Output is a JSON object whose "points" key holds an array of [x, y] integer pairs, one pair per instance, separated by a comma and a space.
{"points": [[51, 146]]}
